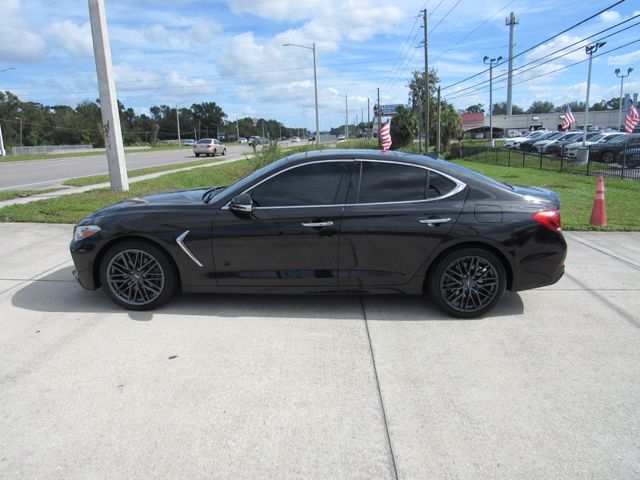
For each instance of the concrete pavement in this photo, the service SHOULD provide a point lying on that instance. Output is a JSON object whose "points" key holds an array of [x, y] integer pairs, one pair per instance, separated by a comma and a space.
{"points": [[547, 386]]}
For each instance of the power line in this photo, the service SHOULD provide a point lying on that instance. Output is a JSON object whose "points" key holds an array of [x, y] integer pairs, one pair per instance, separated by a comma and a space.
{"points": [[487, 20], [500, 78], [542, 42], [445, 17], [546, 73]]}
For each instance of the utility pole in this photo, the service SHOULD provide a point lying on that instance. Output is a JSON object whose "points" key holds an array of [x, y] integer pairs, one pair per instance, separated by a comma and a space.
{"points": [[262, 120], [512, 21], [426, 74], [590, 50], [237, 128], [346, 118], [420, 125], [21, 128], [108, 99], [439, 112], [379, 112], [178, 121], [369, 118]]}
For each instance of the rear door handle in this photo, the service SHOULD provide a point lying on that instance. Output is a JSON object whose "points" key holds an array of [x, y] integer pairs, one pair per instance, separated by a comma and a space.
{"points": [[432, 222], [318, 224]]}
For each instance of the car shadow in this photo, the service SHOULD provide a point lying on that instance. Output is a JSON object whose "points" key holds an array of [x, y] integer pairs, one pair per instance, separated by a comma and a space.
{"points": [[58, 292]]}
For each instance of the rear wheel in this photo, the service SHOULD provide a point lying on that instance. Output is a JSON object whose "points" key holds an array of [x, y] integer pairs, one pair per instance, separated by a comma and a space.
{"points": [[197, 154], [215, 152], [137, 275], [467, 283], [608, 157], [224, 151]]}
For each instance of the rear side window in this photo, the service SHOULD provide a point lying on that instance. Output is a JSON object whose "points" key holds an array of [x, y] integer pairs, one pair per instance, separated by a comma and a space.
{"points": [[388, 182]]}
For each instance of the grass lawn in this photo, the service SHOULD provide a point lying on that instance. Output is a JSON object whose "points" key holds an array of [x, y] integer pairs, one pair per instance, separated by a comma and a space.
{"points": [[93, 179], [9, 194], [576, 192]]}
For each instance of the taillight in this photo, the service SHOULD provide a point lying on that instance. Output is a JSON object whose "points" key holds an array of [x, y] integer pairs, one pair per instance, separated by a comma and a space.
{"points": [[549, 218]]}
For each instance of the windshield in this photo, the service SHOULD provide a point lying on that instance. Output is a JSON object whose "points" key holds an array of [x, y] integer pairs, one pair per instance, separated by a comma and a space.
{"points": [[556, 136]]}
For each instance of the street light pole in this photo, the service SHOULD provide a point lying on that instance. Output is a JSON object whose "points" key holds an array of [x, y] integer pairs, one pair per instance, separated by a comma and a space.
{"points": [[590, 50], [491, 62], [315, 83], [621, 77]]}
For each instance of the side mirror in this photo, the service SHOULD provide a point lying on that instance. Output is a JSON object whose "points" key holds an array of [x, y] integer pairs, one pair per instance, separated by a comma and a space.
{"points": [[242, 203]]}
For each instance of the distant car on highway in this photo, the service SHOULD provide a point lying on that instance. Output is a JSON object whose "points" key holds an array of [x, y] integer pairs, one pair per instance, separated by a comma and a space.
{"points": [[209, 147], [242, 140], [295, 139], [188, 142], [341, 137]]}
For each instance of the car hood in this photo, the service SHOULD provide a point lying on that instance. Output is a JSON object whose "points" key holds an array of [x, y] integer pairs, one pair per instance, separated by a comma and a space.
{"points": [[538, 193]]}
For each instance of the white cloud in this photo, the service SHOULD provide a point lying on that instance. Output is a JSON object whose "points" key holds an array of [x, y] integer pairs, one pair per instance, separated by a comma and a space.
{"points": [[20, 41], [75, 39], [610, 16], [627, 58]]}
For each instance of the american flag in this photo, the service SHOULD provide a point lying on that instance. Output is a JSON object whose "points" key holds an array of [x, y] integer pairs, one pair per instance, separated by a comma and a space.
{"points": [[385, 135], [632, 119], [568, 119]]}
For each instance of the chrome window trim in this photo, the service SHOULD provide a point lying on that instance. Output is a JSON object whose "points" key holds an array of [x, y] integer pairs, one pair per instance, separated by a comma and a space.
{"points": [[185, 249], [457, 189]]}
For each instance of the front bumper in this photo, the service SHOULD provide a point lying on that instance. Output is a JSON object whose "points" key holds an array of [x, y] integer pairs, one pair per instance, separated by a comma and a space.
{"points": [[83, 254]]}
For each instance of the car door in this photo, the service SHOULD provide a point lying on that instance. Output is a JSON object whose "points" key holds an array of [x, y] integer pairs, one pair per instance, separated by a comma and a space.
{"points": [[291, 236], [395, 216]]}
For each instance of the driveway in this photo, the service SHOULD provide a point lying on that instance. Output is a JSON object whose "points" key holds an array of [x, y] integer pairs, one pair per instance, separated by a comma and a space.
{"points": [[548, 386]]}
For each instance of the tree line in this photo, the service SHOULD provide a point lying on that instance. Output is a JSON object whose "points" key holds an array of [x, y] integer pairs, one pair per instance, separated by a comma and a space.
{"points": [[545, 107], [32, 123]]}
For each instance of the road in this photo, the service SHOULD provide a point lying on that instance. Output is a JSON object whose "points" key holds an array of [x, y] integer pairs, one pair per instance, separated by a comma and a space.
{"points": [[344, 387], [34, 174]]}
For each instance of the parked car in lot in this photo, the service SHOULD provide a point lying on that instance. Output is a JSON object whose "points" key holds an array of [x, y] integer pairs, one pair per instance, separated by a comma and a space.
{"points": [[571, 150], [527, 145], [539, 145], [618, 149], [209, 147], [357, 221], [515, 142], [557, 147]]}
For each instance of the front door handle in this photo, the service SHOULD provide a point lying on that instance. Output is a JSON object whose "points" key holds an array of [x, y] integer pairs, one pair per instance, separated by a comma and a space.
{"points": [[432, 222], [318, 224]]}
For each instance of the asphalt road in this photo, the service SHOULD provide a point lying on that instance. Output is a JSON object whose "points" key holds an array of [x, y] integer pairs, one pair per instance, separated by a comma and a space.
{"points": [[34, 174], [547, 386]]}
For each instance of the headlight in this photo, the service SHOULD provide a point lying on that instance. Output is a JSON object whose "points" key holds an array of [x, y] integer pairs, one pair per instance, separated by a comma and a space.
{"points": [[84, 231]]}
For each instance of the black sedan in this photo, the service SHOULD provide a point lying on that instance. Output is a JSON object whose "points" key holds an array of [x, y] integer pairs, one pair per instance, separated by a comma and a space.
{"points": [[352, 221]]}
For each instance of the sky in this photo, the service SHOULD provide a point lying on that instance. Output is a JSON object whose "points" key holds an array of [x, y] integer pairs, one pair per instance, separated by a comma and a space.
{"points": [[179, 52]]}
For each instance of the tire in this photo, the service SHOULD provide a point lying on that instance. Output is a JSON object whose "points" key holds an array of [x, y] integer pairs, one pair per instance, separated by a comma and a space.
{"points": [[215, 152], [224, 151], [467, 283], [197, 154], [608, 157], [137, 275]]}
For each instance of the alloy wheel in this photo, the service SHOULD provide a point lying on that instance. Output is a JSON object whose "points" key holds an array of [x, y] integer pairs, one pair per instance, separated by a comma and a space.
{"points": [[469, 284], [135, 277]]}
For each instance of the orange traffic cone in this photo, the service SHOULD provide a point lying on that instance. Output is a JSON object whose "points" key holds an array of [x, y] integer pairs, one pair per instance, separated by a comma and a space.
{"points": [[599, 210]]}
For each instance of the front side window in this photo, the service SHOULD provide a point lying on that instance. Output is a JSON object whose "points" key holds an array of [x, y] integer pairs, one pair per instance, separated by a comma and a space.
{"points": [[388, 182], [314, 184]]}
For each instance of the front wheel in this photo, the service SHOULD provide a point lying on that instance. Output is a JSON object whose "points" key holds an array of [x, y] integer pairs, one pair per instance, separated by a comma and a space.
{"points": [[607, 157], [224, 152], [137, 275], [197, 154], [467, 283]]}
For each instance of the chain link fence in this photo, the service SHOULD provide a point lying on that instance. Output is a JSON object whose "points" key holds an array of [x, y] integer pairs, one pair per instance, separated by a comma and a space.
{"points": [[49, 149]]}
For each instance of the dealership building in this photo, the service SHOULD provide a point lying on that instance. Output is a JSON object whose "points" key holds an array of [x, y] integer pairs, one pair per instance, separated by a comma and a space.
{"points": [[477, 124]]}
